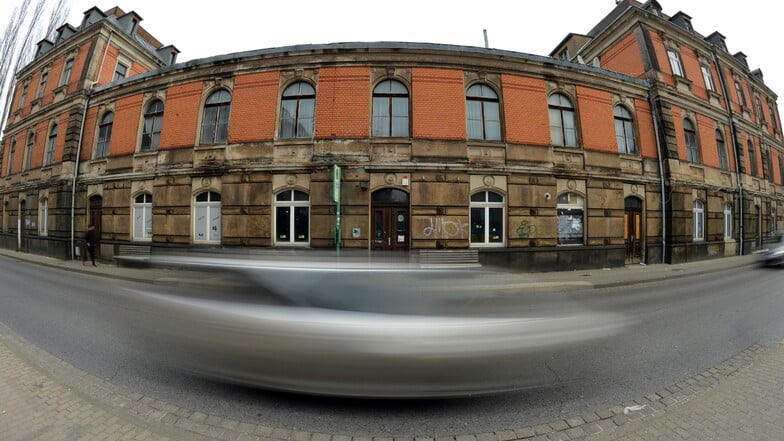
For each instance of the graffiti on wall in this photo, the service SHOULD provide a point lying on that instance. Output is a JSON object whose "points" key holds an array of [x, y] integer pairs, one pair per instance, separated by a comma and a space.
{"points": [[440, 228], [525, 229]]}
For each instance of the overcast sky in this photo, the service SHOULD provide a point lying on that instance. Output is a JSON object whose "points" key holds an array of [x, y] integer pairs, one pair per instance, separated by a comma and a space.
{"points": [[198, 30]]}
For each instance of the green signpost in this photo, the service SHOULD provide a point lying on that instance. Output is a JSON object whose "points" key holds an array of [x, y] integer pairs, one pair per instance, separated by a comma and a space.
{"points": [[336, 176]]}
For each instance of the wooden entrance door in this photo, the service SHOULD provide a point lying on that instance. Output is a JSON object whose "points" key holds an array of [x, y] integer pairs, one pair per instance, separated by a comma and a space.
{"points": [[633, 229], [390, 220]]}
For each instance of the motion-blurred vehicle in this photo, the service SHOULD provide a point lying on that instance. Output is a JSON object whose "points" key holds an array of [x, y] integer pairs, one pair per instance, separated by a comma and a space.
{"points": [[773, 252], [369, 330]]}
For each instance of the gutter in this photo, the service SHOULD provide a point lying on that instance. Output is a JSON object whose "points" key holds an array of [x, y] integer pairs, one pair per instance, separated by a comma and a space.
{"points": [[655, 113], [734, 133]]}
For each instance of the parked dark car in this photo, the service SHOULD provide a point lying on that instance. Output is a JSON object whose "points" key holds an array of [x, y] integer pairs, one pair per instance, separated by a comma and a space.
{"points": [[772, 253]]}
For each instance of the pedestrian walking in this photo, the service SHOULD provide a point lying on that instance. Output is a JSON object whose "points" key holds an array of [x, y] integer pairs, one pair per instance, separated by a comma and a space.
{"points": [[89, 243]]}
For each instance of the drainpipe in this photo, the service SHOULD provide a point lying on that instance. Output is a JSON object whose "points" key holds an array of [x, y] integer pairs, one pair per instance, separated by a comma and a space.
{"points": [[76, 175], [88, 93], [734, 136], [656, 129]]}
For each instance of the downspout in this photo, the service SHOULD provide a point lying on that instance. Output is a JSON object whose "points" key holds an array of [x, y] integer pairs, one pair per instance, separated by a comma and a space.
{"points": [[655, 114], [734, 136], [75, 175], [88, 92]]}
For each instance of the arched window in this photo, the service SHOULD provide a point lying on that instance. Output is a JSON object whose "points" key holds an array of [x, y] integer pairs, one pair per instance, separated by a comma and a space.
{"points": [[28, 153], [692, 148], [153, 122], [292, 218], [104, 135], [483, 113], [722, 150], [298, 106], [51, 144], [215, 121], [727, 221], [563, 127], [571, 223], [752, 158], [487, 219], [699, 220], [207, 217], [390, 109], [624, 130], [43, 217], [142, 217]]}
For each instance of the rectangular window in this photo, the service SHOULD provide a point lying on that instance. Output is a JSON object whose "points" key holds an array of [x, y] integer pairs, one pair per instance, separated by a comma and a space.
{"points": [[42, 84], [496, 225], [142, 222], [301, 227], [215, 223], [381, 117], [11, 157], [43, 218], [728, 222], [23, 97], [699, 225], [741, 95], [475, 128], [120, 72], [675, 62], [477, 224], [752, 159], [706, 75], [570, 226], [28, 153], [283, 218], [67, 72]]}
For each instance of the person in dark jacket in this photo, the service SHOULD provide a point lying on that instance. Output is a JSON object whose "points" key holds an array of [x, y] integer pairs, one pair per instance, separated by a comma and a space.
{"points": [[90, 243]]}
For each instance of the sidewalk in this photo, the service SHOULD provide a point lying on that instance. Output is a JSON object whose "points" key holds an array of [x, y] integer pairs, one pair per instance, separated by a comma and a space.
{"points": [[45, 398]]}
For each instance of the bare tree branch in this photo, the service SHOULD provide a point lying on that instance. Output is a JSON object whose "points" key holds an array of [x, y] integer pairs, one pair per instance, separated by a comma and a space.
{"points": [[30, 22]]}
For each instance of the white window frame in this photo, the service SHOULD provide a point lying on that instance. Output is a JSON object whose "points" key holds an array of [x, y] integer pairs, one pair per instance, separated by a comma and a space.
{"points": [[487, 206], [292, 205], [727, 221], [143, 210], [51, 145], [574, 201], [211, 210], [43, 217], [698, 210], [707, 77], [624, 130], [675, 63]]}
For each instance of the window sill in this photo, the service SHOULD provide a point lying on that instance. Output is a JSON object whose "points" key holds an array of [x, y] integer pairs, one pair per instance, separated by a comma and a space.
{"points": [[682, 82], [143, 153], [216, 146], [294, 141], [568, 149], [487, 245]]}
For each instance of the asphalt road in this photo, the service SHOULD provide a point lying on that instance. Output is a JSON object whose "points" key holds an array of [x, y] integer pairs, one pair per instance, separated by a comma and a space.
{"points": [[680, 328]]}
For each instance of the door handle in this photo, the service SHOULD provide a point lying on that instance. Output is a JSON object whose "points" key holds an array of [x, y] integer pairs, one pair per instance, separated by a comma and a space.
{"points": [[389, 241]]}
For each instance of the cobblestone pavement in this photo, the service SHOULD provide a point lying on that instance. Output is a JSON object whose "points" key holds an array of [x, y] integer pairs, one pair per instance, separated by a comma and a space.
{"points": [[45, 398]]}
